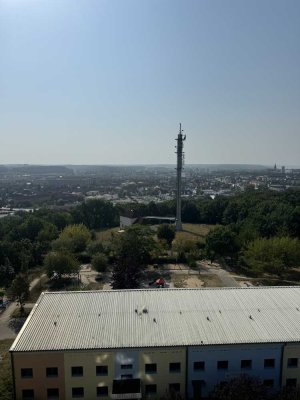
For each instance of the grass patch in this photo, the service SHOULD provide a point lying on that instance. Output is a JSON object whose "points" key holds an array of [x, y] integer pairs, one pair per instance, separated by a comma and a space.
{"points": [[106, 234], [94, 286], [6, 385], [196, 232]]}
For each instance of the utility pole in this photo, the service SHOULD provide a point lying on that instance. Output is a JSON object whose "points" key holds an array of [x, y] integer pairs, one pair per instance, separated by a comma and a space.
{"points": [[180, 139]]}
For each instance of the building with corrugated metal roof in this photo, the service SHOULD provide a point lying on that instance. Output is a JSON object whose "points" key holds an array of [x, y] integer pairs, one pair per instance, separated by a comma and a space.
{"points": [[126, 344]]}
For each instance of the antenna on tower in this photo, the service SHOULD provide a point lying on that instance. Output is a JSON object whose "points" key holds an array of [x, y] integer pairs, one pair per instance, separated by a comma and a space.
{"points": [[180, 160]]}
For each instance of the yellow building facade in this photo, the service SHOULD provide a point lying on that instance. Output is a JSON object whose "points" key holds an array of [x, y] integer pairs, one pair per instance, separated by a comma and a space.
{"points": [[91, 374]]}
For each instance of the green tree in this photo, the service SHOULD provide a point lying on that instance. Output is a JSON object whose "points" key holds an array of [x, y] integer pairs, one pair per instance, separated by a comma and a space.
{"points": [[19, 290], [288, 393], [243, 387], [132, 251], [74, 238], [60, 263], [221, 242], [95, 247], [6, 273], [166, 232], [100, 262], [96, 214], [48, 233], [273, 255]]}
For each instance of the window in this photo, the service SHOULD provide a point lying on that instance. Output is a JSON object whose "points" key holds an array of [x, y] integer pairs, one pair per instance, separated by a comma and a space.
{"points": [[174, 387], [174, 367], [77, 371], [246, 364], [199, 366], [52, 394], [291, 382], [150, 389], [269, 363], [126, 376], [269, 382], [101, 370], [77, 392], [27, 394], [150, 368], [26, 373], [126, 366], [292, 362], [222, 364], [51, 372], [102, 391]]}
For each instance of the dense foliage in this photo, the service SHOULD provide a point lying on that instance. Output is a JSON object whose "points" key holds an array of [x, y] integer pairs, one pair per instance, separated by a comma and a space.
{"points": [[258, 231], [166, 232], [58, 263], [26, 238], [246, 387], [132, 251], [19, 290]]}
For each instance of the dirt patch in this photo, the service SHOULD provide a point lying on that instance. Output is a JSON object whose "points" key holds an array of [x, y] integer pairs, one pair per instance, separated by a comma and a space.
{"points": [[211, 281], [187, 281], [177, 267]]}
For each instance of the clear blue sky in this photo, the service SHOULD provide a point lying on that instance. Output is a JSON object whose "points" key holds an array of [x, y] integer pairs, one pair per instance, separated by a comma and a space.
{"points": [[105, 81]]}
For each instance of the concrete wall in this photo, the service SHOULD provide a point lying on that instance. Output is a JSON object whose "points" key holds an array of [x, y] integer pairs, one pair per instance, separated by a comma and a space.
{"points": [[88, 360], [39, 382], [233, 354], [291, 372]]}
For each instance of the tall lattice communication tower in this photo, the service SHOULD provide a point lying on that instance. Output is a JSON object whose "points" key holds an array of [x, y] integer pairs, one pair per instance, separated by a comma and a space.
{"points": [[180, 159]]}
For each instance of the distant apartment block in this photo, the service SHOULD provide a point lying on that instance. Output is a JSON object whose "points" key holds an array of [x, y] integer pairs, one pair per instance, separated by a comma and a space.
{"points": [[135, 344]]}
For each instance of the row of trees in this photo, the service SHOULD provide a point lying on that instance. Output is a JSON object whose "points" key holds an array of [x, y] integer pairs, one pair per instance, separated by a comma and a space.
{"points": [[263, 212]]}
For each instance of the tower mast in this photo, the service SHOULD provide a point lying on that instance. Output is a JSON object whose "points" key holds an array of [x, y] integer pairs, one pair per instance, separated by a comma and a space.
{"points": [[180, 139]]}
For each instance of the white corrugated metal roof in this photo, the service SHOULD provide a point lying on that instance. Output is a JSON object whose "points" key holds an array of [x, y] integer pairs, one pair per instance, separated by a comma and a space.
{"points": [[173, 317]]}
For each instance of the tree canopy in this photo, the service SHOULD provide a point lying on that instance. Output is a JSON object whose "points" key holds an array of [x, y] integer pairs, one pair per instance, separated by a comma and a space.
{"points": [[19, 289], [243, 387], [73, 238], [96, 214], [60, 263], [166, 232], [272, 255], [132, 251]]}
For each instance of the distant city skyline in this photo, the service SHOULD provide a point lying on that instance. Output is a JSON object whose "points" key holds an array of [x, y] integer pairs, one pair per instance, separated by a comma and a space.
{"points": [[108, 82]]}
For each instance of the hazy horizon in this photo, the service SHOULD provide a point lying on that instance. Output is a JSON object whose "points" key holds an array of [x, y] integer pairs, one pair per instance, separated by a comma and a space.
{"points": [[98, 82], [171, 165]]}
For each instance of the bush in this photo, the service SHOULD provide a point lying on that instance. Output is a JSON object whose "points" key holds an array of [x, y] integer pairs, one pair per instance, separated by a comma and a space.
{"points": [[100, 262]]}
